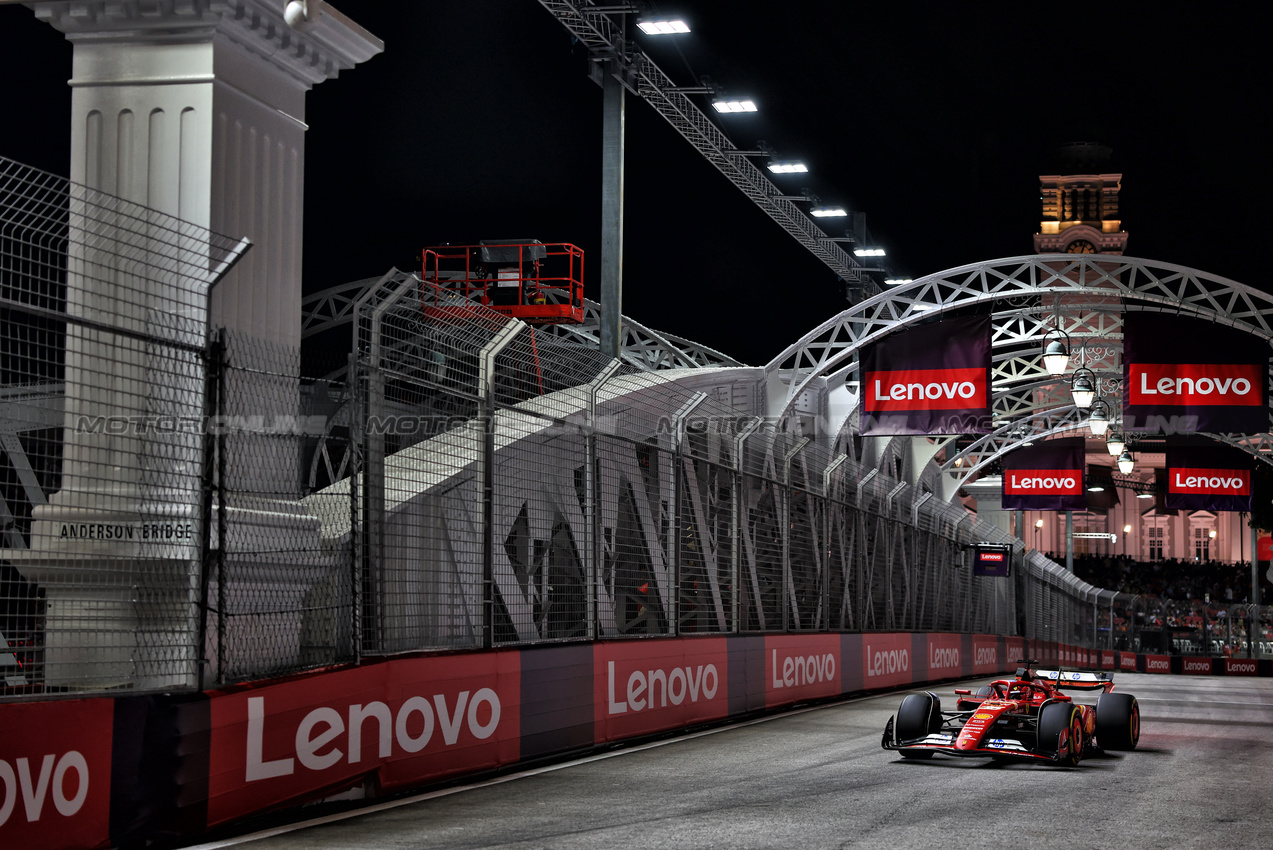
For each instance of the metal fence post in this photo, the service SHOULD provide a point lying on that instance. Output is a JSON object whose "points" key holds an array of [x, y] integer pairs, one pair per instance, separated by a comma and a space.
{"points": [[788, 598], [213, 491], [678, 481], [486, 385], [736, 521], [826, 532], [592, 495]]}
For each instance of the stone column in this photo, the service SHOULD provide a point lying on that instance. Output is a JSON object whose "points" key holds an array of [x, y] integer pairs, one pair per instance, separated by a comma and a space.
{"points": [[195, 110]]}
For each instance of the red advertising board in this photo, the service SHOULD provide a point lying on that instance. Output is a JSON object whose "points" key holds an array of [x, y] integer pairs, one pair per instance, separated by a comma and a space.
{"points": [[801, 667], [1109, 659], [985, 655], [944, 656], [1157, 664], [1240, 666], [646, 686], [55, 774], [1196, 666], [407, 720], [1014, 647], [1127, 661], [886, 660]]}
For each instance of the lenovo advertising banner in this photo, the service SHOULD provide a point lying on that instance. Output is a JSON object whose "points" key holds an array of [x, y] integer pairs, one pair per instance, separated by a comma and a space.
{"points": [[931, 379], [1208, 478], [991, 560], [1184, 375], [405, 720], [647, 686], [985, 659], [887, 660], [55, 774], [801, 667], [1045, 477]]}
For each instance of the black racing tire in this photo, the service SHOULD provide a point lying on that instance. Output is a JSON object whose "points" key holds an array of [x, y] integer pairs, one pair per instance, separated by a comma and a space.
{"points": [[1117, 721], [1061, 732], [919, 715]]}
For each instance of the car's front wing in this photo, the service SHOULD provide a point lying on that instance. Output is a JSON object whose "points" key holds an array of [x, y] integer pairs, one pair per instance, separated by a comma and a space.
{"points": [[944, 742]]}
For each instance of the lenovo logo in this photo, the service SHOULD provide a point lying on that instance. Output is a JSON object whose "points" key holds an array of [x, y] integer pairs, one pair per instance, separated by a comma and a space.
{"points": [[1197, 665], [942, 658], [1243, 667], [1195, 384], [986, 655], [1157, 665], [888, 661], [1066, 482], [675, 686], [1229, 482], [994, 557], [803, 670], [1128, 661], [325, 736], [925, 389], [64, 778]]}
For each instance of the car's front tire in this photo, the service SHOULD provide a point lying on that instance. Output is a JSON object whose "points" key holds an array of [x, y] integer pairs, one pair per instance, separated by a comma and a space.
{"points": [[918, 716], [1061, 732], [1117, 721]]}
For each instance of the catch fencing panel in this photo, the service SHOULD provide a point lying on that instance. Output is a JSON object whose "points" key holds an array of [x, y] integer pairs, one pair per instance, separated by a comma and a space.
{"points": [[280, 596], [103, 323], [179, 514]]}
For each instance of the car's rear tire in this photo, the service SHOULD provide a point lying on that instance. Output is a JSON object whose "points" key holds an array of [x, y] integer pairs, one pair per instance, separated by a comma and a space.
{"points": [[919, 715], [1061, 732], [1117, 721]]}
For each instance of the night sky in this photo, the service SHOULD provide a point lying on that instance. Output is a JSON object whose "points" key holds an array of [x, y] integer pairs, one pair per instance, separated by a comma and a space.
{"points": [[479, 122]]}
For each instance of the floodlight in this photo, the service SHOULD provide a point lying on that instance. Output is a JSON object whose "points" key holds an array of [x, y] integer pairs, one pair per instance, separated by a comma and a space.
{"points": [[788, 167], [663, 27], [868, 252], [827, 212], [734, 105]]}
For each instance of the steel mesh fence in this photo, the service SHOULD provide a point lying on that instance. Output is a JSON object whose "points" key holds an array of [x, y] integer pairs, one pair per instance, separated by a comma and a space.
{"points": [[103, 308], [280, 596], [474, 482]]}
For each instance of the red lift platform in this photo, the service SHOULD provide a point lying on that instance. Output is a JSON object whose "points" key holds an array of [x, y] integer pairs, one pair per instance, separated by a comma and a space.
{"points": [[539, 283]]}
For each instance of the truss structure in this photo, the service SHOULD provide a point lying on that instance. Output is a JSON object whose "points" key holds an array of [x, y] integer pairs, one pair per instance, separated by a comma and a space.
{"points": [[1028, 297], [642, 348], [594, 27]]}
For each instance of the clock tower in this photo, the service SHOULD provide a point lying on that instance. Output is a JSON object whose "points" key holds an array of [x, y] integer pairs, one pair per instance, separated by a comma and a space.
{"points": [[1080, 206]]}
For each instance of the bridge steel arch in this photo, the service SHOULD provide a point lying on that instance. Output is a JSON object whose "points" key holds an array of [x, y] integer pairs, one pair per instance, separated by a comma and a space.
{"points": [[1028, 296]]}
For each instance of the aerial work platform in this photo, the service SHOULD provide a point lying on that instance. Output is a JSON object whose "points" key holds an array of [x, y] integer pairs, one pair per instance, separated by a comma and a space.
{"points": [[539, 283]]}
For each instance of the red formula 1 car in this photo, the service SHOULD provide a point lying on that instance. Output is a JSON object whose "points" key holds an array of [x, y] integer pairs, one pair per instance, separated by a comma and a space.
{"points": [[1026, 718]]}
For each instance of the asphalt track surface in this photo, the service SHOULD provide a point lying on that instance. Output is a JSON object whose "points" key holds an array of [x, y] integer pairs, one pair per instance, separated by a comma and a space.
{"points": [[817, 778]]}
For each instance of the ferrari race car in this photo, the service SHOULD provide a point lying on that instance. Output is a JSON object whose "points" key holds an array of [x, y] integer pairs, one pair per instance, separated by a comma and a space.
{"points": [[1026, 718]]}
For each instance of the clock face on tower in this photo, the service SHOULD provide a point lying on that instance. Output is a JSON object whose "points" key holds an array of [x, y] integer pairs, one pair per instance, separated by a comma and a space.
{"points": [[1080, 246]]}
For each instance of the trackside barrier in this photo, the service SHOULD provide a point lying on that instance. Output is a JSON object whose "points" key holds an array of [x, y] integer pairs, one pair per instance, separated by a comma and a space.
{"points": [[104, 772]]}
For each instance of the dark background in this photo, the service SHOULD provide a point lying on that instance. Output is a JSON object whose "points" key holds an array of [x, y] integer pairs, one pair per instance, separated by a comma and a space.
{"points": [[479, 122]]}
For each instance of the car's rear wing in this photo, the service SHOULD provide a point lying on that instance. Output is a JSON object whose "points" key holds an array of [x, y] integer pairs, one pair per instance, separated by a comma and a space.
{"points": [[1079, 680]]}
